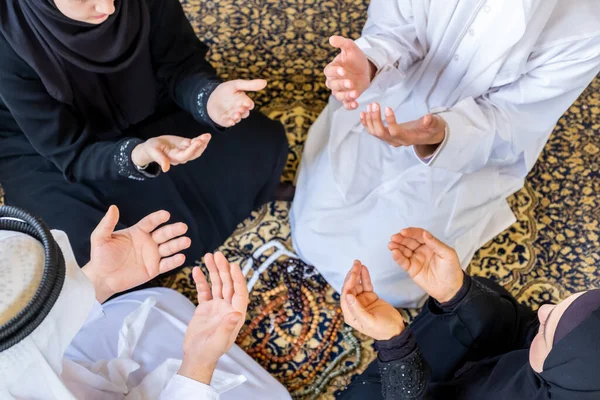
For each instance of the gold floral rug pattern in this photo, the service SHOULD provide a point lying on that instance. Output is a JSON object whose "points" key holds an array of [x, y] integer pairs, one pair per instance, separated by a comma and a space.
{"points": [[552, 250]]}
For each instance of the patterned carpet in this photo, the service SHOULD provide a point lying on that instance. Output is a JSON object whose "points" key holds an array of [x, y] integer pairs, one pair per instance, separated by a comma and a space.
{"points": [[296, 331]]}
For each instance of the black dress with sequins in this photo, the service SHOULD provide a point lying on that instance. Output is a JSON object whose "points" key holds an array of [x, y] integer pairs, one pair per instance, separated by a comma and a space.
{"points": [[456, 350]]}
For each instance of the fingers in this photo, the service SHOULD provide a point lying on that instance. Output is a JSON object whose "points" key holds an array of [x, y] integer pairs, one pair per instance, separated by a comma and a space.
{"points": [[107, 225], [339, 84], [439, 247], [174, 246], [169, 232], [340, 42], [159, 157], [240, 296], [401, 259], [365, 277], [415, 234], [153, 221], [225, 275], [170, 263], [408, 242], [380, 130], [401, 248], [390, 117], [215, 279], [182, 155], [358, 317], [250, 85], [202, 286], [352, 277]]}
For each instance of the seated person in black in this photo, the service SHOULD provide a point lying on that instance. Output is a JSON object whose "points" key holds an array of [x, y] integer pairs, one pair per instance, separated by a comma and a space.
{"points": [[472, 340], [100, 98]]}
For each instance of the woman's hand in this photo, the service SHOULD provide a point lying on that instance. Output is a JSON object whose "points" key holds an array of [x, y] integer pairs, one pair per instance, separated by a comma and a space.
{"points": [[350, 73], [430, 263], [125, 259], [169, 150], [425, 133], [229, 104], [364, 310], [218, 318]]}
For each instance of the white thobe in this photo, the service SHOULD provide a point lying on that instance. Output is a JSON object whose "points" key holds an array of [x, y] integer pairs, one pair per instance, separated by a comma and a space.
{"points": [[131, 348], [501, 72]]}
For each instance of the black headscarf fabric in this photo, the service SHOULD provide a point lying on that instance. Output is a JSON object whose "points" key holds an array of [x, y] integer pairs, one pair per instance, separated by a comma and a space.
{"points": [[102, 69]]}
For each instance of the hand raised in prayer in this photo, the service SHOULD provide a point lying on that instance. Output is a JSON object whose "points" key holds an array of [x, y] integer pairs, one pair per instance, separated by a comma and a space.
{"points": [[364, 310], [430, 263], [128, 258], [220, 315], [229, 104], [169, 150], [350, 73], [426, 133]]}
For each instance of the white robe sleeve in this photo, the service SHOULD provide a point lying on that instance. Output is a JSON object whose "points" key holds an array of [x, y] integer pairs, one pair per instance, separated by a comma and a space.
{"points": [[509, 125], [182, 388], [389, 37]]}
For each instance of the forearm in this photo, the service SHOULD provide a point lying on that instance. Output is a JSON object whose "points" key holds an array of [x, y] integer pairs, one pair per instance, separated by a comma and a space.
{"points": [[404, 372], [103, 292], [197, 371]]}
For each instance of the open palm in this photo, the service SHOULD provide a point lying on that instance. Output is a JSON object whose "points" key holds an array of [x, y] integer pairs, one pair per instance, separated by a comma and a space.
{"points": [[220, 313], [130, 257], [364, 310], [430, 263]]}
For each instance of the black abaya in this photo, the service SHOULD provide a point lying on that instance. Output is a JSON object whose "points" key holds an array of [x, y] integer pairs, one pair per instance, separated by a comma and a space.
{"points": [[478, 348]]}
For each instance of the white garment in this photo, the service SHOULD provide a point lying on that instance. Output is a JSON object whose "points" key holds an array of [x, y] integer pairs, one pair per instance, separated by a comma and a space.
{"points": [[128, 348], [141, 361], [504, 71]]}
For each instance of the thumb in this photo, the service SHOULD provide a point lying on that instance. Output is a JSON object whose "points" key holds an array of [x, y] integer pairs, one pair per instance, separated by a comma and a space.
{"points": [[439, 247], [107, 225], [250, 86], [228, 325], [362, 316], [340, 42]]}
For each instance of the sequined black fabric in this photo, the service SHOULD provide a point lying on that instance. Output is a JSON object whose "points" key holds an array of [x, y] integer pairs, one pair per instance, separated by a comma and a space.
{"points": [[127, 168], [406, 378]]}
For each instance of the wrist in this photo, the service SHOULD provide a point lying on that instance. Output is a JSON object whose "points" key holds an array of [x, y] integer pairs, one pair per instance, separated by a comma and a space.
{"points": [[139, 157], [372, 71], [451, 294], [102, 291], [199, 372]]}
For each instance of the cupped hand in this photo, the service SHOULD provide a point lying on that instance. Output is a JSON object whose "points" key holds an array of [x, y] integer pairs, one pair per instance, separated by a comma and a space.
{"points": [[364, 310], [229, 104], [433, 265], [350, 73], [169, 150], [427, 131], [128, 258]]}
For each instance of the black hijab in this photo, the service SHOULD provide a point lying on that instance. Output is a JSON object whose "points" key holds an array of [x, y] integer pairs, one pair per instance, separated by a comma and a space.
{"points": [[104, 71], [571, 370]]}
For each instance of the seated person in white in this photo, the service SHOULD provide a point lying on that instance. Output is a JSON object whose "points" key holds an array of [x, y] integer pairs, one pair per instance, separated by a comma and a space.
{"points": [[80, 346], [439, 111]]}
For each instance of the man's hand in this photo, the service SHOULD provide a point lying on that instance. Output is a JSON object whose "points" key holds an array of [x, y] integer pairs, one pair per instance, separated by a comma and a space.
{"points": [[125, 259], [427, 132], [430, 263], [169, 150], [364, 310], [229, 103], [350, 73], [218, 318]]}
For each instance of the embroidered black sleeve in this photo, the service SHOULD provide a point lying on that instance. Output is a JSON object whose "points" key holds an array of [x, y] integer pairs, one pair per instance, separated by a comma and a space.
{"points": [[406, 378], [126, 166]]}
